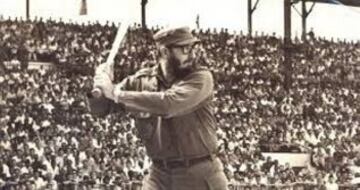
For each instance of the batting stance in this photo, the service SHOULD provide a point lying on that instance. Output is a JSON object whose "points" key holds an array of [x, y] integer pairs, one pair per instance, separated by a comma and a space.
{"points": [[174, 114]]}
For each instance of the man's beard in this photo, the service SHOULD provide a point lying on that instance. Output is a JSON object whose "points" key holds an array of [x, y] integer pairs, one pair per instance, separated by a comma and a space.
{"points": [[178, 70]]}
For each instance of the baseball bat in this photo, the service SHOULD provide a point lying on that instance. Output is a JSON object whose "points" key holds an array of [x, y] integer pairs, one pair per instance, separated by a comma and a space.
{"points": [[109, 64]]}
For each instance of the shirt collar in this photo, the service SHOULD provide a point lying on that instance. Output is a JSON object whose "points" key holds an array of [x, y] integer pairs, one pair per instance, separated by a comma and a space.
{"points": [[159, 73]]}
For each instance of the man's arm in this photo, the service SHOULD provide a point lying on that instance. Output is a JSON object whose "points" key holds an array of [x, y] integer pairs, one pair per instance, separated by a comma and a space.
{"points": [[180, 99], [103, 106]]}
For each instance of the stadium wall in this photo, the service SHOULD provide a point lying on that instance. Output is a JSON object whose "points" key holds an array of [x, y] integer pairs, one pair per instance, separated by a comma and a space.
{"points": [[294, 159]]}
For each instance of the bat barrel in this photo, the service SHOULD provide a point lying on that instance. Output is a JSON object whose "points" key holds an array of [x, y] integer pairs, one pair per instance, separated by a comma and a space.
{"points": [[122, 29]]}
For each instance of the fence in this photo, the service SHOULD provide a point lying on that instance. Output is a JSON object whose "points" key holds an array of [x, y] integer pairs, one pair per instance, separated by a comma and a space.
{"points": [[136, 185], [291, 186]]}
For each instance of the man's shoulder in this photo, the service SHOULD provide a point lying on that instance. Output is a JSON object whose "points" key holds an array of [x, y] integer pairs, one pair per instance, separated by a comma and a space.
{"points": [[202, 71], [200, 75]]}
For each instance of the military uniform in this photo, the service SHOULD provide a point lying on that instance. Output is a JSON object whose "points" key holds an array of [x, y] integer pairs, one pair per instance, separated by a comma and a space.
{"points": [[177, 125]]}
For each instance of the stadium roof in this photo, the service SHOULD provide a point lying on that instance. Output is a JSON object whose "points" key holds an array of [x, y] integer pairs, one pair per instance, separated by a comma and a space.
{"points": [[355, 3]]}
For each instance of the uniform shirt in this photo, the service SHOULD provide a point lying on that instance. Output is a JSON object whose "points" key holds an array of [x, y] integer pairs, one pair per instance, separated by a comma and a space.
{"points": [[175, 121]]}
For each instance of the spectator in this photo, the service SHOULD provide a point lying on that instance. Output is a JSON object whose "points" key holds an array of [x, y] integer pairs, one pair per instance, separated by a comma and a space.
{"points": [[44, 127]]}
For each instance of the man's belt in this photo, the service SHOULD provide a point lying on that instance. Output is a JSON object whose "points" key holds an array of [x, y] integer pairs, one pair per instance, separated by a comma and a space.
{"points": [[172, 164]]}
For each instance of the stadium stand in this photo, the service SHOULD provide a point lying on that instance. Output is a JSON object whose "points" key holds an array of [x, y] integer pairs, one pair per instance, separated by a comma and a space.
{"points": [[48, 140]]}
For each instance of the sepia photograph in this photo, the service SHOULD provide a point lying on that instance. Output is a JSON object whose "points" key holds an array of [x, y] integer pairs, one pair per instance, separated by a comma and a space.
{"points": [[179, 95]]}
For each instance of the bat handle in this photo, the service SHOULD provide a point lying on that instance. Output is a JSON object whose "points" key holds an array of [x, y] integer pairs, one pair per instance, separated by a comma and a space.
{"points": [[96, 92]]}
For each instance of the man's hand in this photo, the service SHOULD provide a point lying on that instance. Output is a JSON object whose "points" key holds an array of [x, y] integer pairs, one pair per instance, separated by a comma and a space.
{"points": [[103, 81], [103, 73]]}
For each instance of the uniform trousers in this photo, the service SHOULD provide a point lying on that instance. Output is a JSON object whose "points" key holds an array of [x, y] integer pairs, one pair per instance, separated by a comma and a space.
{"points": [[206, 175]]}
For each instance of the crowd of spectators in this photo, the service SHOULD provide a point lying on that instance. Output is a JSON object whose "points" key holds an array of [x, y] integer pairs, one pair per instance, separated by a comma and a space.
{"points": [[48, 139]]}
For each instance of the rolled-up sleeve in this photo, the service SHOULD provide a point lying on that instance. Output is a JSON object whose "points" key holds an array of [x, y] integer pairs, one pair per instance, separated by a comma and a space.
{"points": [[180, 99]]}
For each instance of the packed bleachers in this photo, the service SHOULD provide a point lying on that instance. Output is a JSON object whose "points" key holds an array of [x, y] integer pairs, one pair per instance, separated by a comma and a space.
{"points": [[49, 140]]}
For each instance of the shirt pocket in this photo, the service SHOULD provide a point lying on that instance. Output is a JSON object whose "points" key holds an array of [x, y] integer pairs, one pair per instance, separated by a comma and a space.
{"points": [[149, 84]]}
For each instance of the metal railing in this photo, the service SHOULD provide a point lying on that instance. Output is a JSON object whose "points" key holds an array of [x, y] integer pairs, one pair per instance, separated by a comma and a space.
{"points": [[290, 186], [137, 185], [133, 185]]}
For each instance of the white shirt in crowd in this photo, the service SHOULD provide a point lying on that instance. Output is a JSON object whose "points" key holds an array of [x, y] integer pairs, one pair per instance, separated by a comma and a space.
{"points": [[331, 186], [39, 183]]}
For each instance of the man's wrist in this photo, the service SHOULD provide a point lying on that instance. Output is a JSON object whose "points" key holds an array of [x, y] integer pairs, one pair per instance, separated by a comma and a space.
{"points": [[108, 93], [112, 96], [117, 93]]}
